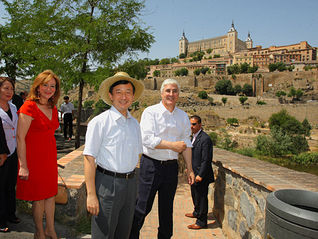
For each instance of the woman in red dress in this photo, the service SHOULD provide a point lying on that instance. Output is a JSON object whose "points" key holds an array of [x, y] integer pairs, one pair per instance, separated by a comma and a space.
{"points": [[37, 181]]}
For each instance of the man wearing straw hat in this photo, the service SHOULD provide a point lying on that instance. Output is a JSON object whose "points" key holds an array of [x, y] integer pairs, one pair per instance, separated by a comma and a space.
{"points": [[112, 149]]}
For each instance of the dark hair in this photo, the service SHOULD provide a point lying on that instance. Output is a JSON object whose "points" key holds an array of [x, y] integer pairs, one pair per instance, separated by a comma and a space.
{"points": [[121, 82], [3, 79], [66, 97], [22, 93], [197, 118]]}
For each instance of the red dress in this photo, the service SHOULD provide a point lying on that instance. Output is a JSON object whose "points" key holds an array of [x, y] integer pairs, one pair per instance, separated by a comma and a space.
{"points": [[41, 155]]}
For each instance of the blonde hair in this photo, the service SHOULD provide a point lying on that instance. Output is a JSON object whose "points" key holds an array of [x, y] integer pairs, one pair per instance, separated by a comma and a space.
{"points": [[41, 79]]}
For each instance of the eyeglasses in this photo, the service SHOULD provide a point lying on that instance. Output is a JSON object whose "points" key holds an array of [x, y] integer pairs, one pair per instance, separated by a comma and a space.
{"points": [[194, 124]]}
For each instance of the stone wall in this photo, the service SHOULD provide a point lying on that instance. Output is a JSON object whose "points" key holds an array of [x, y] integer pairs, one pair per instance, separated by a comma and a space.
{"points": [[239, 204], [238, 196]]}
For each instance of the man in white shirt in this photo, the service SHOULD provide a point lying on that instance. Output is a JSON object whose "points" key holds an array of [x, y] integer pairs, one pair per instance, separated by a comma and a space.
{"points": [[165, 131], [67, 110], [113, 142]]}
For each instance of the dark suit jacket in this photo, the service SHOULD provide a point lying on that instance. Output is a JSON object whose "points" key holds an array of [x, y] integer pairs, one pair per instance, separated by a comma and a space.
{"points": [[202, 153], [3, 142]]}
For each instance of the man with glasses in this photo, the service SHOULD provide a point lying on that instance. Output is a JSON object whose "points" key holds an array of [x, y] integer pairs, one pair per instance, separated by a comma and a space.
{"points": [[202, 153]]}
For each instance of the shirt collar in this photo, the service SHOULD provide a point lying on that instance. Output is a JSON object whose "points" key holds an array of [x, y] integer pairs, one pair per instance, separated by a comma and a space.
{"points": [[163, 109], [117, 115], [197, 133]]}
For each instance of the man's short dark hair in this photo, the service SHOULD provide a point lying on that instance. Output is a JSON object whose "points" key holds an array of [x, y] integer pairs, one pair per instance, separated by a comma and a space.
{"points": [[66, 97], [198, 118], [121, 82]]}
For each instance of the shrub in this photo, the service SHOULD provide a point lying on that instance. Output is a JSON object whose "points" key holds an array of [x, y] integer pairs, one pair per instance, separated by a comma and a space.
{"points": [[260, 102], [307, 127], [280, 93], [214, 137], [224, 100], [203, 94], [306, 158], [232, 121], [211, 100], [242, 99], [237, 89], [156, 73], [250, 152], [247, 89], [287, 123], [224, 87], [197, 72], [227, 143]]}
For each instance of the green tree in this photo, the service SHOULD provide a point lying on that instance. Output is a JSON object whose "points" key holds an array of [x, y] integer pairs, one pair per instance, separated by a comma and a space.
{"points": [[252, 69], [197, 72], [156, 73], [247, 89], [79, 40], [209, 51], [224, 87], [203, 95], [204, 70], [237, 89], [182, 55], [306, 126], [244, 67], [272, 67], [164, 61]]}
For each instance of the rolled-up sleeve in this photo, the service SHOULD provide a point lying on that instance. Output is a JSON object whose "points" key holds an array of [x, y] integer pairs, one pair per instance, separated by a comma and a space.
{"points": [[147, 125], [93, 138], [187, 132]]}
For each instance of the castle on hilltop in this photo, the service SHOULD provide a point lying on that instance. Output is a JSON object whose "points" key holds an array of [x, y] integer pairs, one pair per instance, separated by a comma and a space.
{"points": [[222, 45], [227, 50]]}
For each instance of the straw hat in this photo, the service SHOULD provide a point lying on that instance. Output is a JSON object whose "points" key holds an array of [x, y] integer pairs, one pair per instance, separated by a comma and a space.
{"points": [[106, 84]]}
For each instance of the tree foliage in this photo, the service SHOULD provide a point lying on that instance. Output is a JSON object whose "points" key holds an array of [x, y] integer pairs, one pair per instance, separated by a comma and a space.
{"points": [[247, 89], [78, 40], [224, 87]]}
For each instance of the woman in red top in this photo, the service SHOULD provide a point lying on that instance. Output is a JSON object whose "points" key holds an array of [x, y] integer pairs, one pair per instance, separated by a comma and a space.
{"points": [[37, 181]]}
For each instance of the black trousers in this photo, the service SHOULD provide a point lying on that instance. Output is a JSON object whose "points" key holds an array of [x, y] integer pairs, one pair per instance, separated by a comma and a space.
{"points": [[8, 181], [68, 125], [156, 177], [199, 193]]}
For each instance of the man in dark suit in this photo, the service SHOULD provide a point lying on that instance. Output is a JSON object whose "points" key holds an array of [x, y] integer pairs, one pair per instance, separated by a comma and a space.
{"points": [[202, 153]]}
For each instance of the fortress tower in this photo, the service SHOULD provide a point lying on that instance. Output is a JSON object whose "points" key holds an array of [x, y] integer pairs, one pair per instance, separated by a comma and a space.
{"points": [[232, 39], [249, 41], [183, 45]]}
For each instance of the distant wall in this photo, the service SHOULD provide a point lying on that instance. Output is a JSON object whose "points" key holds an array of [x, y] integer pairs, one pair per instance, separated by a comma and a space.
{"points": [[268, 82]]}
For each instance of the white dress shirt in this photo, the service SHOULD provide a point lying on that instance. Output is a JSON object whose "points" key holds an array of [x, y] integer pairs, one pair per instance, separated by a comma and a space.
{"points": [[10, 127], [114, 141], [195, 136], [157, 123]]}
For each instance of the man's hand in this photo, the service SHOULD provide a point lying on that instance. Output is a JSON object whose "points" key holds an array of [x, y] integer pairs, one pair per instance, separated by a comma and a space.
{"points": [[3, 158], [198, 179], [191, 177], [92, 205], [179, 146]]}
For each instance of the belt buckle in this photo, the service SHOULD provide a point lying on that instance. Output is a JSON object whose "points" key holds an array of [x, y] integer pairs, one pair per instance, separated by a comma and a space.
{"points": [[127, 175]]}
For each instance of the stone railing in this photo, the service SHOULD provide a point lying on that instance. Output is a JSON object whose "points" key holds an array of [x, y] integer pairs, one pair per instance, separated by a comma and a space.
{"points": [[238, 197]]}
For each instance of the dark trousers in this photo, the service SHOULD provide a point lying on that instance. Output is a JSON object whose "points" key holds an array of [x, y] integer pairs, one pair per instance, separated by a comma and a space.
{"points": [[68, 125], [8, 181], [199, 193], [155, 177], [117, 197]]}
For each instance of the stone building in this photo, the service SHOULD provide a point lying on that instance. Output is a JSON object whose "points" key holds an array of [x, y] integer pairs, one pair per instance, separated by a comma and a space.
{"points": [[222, 45]]}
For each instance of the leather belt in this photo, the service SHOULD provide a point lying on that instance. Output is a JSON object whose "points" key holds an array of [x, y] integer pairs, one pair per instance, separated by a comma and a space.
{"points": [[116, 175], [163, 162]]}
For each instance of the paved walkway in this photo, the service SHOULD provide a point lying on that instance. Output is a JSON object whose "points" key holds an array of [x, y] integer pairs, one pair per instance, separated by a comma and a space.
{"points": [[74, 167]]}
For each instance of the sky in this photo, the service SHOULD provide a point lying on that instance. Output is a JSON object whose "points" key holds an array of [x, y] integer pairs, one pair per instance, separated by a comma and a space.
{"points": [[270, 22]]}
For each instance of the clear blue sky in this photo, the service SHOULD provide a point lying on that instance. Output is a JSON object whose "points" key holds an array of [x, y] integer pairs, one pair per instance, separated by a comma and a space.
{"points": [[270, 22]]}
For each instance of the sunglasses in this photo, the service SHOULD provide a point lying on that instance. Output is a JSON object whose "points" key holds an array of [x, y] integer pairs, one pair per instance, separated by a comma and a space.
{"points": [[194, 124]]}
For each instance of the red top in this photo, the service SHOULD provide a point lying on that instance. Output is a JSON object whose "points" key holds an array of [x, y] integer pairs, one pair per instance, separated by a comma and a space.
{"points": [[41, 155]]}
